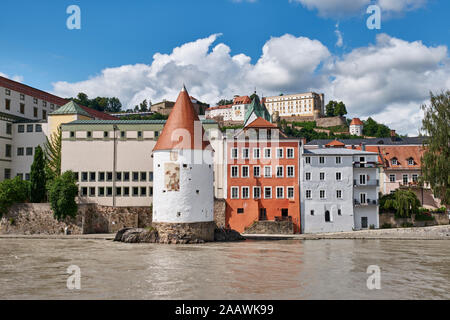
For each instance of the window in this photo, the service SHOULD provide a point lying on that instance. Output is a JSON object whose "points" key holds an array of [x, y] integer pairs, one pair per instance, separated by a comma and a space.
{"points": [[256, 192], [7, 174], [245, 192], [240, 210], [308, 194], [20, 152], [20, 128], [290, 192], [105, 134], [22, 97], [89, 134], [268, 172], [123, 134], [280, 172], [27, 176], [245, 172], [72, 134], [92, 192], [8, 128], [415, 178], [308, 176], [77, 176], [256, 171], [135, 176], [312, 212], [256, 153], [405, 179], [22, 108], [109, 176], [109, 191], [280, 192], [394, 162], [38, 128], [143, 191], [411, 162], [118, 191], [308, 160], [35, 101], [35, 112], [234, 192], [339, 194], [126, 176], [234, 153], [245, 153], [143, 176], [135, 192], [362, 198], [84, 192], [338, 176], [322, 176], [7, 92], [20, 175], [338, 160], [290, 153], [29, 151], [52, 106], [101, 191], [101, 176], [290, 171], [327, 216], [92, 176], [8, 151], [321, 160], [267, 153], [139, 134], [280, 153], [84, 176], [267, 192], [44, 103], [234, 171], [339, 212], [392, 178], [156, 134], [150, 191], [126, 191], [7, 104], [322, 194], [362, 179]]}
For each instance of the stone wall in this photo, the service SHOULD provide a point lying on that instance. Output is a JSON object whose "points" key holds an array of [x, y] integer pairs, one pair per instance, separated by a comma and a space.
{"points": [[331, 122], [91, 218], [390, 219], [182, 233], [271, 227], [220, 207]]}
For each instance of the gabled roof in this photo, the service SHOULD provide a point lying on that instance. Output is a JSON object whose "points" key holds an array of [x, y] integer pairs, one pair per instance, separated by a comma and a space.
{"points": [[402, 154], [260, 123], [373, 141], [356, 122], [228, 106], [182, 118], [258, 109], [242, 100], [98, 114], [335, 144], [71, 108]]}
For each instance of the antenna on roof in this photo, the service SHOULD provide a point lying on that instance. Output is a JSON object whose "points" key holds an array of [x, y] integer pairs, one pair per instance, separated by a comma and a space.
{"points": [[184, 88]]}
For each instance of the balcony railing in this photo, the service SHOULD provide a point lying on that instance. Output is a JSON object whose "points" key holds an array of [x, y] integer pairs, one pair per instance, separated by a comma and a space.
{"points": [[358, 164], [371, 183], [368, 202]]}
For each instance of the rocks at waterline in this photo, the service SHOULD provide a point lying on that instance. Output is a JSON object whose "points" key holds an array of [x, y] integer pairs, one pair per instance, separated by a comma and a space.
{"points": [[150, 235]]}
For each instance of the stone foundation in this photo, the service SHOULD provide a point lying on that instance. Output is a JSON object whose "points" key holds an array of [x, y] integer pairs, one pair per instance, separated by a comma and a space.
{"points": [[182, 233], [270, 227], [392, 221]]}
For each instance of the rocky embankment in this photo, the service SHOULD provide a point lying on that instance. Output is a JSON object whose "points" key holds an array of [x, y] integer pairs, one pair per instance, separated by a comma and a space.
{"points": [[150, 235]]}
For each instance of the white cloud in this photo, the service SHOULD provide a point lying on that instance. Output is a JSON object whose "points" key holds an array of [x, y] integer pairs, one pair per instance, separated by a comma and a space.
{"points": [[388, 80], [15, 77], [340, 37], [342, 8]]}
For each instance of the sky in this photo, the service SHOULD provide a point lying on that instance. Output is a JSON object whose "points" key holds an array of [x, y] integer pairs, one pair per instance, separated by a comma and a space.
{"points": [[137, 50]]}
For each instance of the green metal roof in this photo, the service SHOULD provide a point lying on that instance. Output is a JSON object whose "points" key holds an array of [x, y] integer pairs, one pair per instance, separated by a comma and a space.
{"points": [[259, 109], [71, 108], [122, 122]]}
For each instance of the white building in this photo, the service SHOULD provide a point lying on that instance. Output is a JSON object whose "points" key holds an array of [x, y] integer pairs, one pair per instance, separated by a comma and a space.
{"points": [[232, 112], [339, 190], [356, 127], [309, 104]]}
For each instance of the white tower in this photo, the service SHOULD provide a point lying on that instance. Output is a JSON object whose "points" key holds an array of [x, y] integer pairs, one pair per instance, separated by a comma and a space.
{"points": [[183, 199], [356, 127]]}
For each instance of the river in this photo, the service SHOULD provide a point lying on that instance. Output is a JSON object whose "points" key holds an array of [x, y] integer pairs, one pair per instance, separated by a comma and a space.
{"points": [[321, 269]]}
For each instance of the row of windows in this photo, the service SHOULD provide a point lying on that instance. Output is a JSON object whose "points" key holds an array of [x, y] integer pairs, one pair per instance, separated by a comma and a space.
{"points": [[106, 134], [29, 128], [322, 176], [245, 153], [24, 151], [279, 173], [108, 176], [22, 109], [119, 192], [245, 193], [35, 100], [405, 178], [322, 160], [395, 162], [323, 194]]}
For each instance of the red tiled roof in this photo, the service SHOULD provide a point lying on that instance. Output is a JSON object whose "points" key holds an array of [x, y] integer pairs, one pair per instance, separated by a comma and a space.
{"points": [[356, 122], [242, 100], [39, 94], [261, 123], [335, 143], [228, 106], [402, 154]]}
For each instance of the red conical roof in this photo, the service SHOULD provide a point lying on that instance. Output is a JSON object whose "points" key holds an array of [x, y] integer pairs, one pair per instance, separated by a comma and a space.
{"points": [[178, 133]]}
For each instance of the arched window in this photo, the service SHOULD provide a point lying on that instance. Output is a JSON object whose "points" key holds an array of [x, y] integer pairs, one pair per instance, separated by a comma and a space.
{"points": [[327, 216]]}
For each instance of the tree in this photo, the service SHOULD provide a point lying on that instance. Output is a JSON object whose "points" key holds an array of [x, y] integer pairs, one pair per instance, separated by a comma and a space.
{"points": [[224, 102], [374, 129], [340, 109], [38, 180], [62, 193], [13, 191], [330, 108], [114, 105], [406, 203], [102, 104], [435, 161], [52, 149]]}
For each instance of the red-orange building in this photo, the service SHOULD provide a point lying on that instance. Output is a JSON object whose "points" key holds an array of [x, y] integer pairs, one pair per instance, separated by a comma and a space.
{"points": [[262, 176]]}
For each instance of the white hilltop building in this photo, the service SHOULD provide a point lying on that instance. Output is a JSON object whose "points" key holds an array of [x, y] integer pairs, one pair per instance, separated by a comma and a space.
{"points": [[356, 127], [183, 174]]}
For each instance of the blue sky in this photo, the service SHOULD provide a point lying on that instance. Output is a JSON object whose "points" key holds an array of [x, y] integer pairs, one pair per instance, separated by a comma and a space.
{"points": [[38, 49]]}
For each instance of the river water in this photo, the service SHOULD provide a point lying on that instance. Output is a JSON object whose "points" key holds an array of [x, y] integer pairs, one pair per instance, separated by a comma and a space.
{"points": [[322, 269]]}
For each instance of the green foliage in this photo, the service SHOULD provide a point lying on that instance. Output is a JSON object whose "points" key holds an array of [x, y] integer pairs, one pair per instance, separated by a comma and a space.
{"points": [[386, 226], [435, 161], [100, 103], [52, 150], [13, 191], [224, 102], [402, 202], [62, 193], [334, 109], [423, 216], [38, 179], [374, 129]]}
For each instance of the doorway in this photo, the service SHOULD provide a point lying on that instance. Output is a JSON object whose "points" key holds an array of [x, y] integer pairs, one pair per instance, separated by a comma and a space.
{"points": [[262, 214], [364, 223]]}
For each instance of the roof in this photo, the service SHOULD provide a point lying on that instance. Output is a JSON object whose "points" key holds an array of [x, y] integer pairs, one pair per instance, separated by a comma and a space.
{"points": [[36, 93], [260, 123], [122, 122], [335, 143], [402, 154], [373, 141], [183, 117], [258, 109], [242, 100], [228, 106], [98, 114], [71, 108], [356, 122], [335, 151]]}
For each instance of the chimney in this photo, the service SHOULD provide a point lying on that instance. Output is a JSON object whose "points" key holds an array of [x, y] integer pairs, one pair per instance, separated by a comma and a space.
{"points": [[303, 140], [393, 135], [363, 146]]}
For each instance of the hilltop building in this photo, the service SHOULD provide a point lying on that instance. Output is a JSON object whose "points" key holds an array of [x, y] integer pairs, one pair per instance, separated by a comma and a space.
{"points": [[356, 127], [308, 105], [165, 107]]}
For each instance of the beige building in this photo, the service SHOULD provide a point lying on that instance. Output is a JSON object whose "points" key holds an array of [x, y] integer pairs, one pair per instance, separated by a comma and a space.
{"points": [[165, 107], [308, 104]]}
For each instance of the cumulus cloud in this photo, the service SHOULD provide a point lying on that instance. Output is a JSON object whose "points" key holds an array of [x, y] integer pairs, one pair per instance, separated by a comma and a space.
{"points": [[15, 77], [387, 80], [340, 37], [342, 8]]}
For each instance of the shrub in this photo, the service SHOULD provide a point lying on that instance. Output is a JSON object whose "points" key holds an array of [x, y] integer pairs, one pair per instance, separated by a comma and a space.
{"points": [[424, 216], [407, 225], [386, 226], [38, 179], [62, 193], [11, 192]]}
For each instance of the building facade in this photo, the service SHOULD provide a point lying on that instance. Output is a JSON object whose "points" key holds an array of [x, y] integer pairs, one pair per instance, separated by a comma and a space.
{"points": [[308, 104], [339, 190], [356, 127]]}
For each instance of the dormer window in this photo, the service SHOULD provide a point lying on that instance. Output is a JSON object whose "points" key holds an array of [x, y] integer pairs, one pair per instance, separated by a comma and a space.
{"points": [[411, 161], [394, 162]]}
